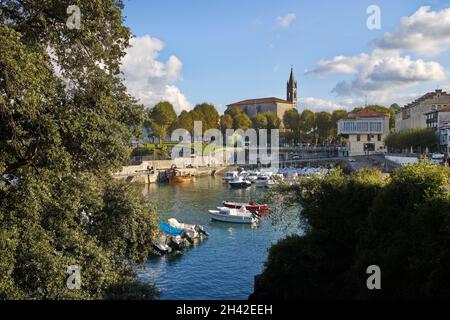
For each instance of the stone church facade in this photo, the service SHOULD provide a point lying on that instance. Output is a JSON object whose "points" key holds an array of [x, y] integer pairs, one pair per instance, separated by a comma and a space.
{"points": [[279, 106]]}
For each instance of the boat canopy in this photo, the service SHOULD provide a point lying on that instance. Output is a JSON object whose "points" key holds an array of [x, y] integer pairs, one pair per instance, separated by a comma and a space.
{"points": [[168, 229]]}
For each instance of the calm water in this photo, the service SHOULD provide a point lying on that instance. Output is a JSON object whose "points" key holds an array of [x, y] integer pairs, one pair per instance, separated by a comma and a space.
{"points": [[222, 267]]}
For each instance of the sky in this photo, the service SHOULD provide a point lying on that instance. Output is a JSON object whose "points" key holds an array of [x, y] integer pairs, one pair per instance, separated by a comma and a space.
{"points": [[223, 51]]}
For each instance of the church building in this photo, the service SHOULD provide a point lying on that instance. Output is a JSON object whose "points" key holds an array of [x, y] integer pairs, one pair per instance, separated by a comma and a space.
{"points": [[279, 106]]}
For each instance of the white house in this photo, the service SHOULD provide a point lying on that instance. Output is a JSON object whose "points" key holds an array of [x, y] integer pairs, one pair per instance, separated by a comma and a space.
{"points": [[365, 131]]}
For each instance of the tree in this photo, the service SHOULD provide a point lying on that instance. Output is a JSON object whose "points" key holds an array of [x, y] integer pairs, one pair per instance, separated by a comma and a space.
{"points": [[260, 121], [324, 126], [226, 122], [207, 114], [412, 138], [335, 117], [291, 121], [242, 121], [273, 122], [234, 111], [160, 118], [393, 111], [204, 113], [308, 124], [185, 121], [61, 136], [355, 221]]}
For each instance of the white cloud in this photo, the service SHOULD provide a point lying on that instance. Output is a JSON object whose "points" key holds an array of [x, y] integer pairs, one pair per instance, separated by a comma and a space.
{"points": [[339, 64], [387, 70], [387, 99], [286, 21], [317, 105], [150, 80], [379, 72], [425, 32]]}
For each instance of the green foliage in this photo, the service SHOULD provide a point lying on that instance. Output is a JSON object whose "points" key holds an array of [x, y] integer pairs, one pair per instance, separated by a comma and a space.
{"points": [[260, 121], [62, 134], [273, 122], [142, 152], [351, 222], [160, 118], [242, 121], [394, 108], [226, 122], [324, 126], [416, 138], [291, 120], [308, 124], [205, 113]]}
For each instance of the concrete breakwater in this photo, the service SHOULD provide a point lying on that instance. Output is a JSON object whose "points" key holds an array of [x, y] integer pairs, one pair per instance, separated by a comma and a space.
{"points": [[149, 172]]}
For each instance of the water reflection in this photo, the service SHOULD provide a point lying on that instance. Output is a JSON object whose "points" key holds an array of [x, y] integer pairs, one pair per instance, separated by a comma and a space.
{"points": [[222, 267]]}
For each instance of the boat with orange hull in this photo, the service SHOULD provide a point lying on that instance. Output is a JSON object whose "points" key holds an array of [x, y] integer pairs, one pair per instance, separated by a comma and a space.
{"points": [[182, 179]]}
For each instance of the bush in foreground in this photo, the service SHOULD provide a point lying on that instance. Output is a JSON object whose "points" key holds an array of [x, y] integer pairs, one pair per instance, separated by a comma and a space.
{"points": [[401, 224]]}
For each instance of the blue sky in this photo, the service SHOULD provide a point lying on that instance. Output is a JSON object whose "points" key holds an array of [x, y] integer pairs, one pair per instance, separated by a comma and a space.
{"points": [[223, 51]]}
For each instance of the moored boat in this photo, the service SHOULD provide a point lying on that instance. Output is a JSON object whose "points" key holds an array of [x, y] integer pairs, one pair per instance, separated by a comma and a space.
{"points": [[230, 176], [224, 214], [251, 206], [194, 231], [240, 183], [161, 246], [252, 176], [182, 178], [264, 181]]}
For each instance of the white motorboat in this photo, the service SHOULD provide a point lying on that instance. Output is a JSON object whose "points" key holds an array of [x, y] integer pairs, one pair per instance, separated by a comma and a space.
{"points": [[252, 176], [225, 214], [264, 181], [194, 231], [230, 176], [240, 183]]}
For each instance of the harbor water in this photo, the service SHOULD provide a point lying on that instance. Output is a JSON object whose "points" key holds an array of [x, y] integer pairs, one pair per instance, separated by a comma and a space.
{"points": [[224, 265]]}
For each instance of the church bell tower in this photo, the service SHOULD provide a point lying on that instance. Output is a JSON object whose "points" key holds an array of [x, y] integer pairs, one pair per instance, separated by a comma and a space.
{"points": [[292, 88]]}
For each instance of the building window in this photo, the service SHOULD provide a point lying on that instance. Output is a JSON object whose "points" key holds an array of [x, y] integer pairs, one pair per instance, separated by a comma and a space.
{"points": [[358, 137], [379, 137], [369, 137]]}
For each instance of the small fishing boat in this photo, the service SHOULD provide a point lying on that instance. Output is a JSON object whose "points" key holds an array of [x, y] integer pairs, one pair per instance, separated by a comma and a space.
{"points": [[230, 176], [224, 214], [194, 231], [161, 246], [240, 183], [168, 229], [182, 178], [178, 243], [252, 176], [264, 181], [251, 206]]}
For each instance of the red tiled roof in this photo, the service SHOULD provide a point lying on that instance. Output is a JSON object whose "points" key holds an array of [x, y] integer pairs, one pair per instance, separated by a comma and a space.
{"points": [[366, 114], [259, 101]]}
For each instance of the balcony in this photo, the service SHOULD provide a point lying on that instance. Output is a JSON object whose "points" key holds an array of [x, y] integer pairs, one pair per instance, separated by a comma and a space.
{"points": [[358, 126]]}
